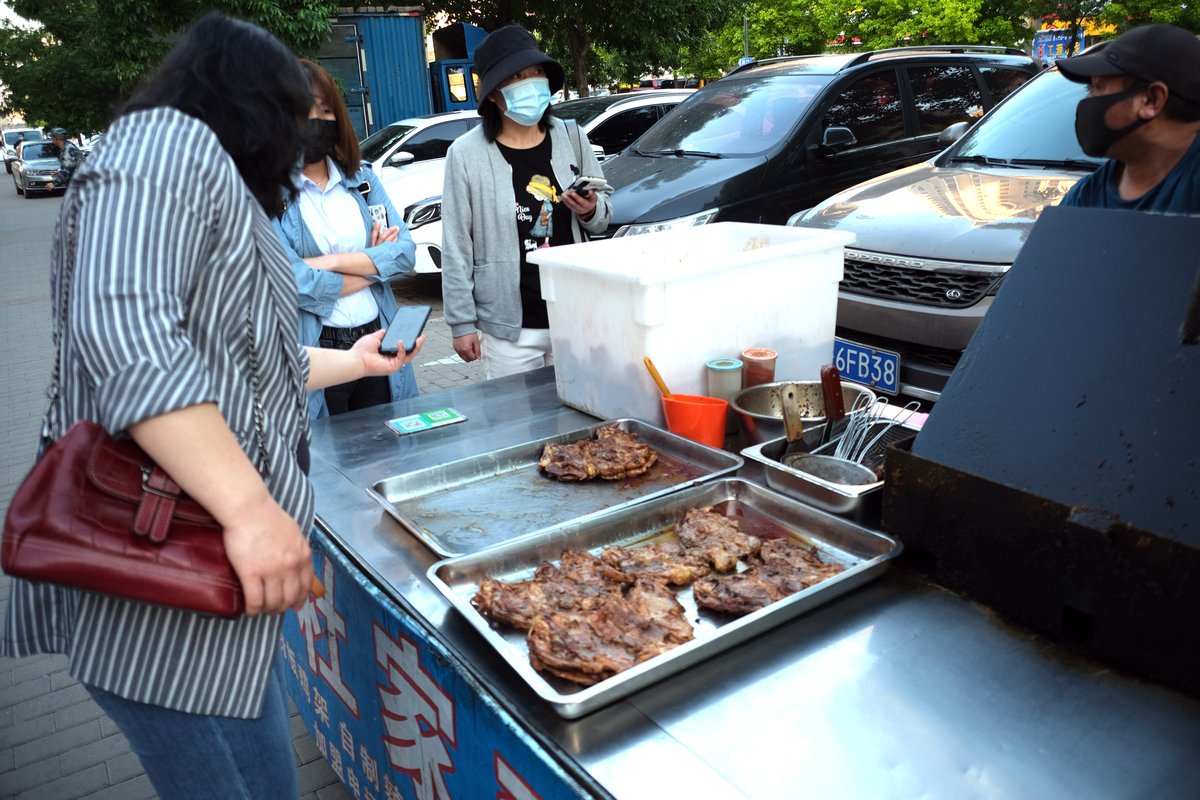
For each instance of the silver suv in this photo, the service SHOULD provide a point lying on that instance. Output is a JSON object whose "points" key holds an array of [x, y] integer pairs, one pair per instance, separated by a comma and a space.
{"points": [[934, 240]]}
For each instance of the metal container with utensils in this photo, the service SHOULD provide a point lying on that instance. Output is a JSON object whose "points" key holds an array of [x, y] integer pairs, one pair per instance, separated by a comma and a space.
{"points": [[759, 410], [859, 502]]}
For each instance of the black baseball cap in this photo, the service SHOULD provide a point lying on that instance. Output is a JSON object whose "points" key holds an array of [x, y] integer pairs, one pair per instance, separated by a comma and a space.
{"points": [[1150, 53], [505, 52]]}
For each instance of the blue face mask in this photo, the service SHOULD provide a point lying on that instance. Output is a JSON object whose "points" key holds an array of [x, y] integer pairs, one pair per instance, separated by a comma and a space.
{"points": [[526, 101]]}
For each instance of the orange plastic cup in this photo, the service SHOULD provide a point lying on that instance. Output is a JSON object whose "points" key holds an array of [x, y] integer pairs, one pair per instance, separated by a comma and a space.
{"points": [[695, 417]]}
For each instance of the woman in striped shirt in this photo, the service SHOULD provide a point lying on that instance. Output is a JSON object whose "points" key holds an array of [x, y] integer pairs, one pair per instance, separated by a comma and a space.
{"points": [[166, 244]]}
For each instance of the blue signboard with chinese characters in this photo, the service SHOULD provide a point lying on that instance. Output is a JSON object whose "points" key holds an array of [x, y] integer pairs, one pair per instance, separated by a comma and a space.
{"points": [[391, 711], [1049, 46]]}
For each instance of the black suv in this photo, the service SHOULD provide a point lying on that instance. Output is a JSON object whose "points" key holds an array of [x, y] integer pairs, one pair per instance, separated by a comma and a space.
{"points": [[775, 137]]}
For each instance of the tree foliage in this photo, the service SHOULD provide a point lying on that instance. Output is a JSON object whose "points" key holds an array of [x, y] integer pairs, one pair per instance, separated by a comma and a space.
{"points": [[613, 38], [84, 56]]}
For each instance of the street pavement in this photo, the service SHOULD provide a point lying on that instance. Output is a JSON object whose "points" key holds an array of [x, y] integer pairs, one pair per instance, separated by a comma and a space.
{"points": [[55, 743]]}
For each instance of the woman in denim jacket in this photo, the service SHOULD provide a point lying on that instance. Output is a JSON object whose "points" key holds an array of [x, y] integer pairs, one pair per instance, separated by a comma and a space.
{"points": [[346, 241]]}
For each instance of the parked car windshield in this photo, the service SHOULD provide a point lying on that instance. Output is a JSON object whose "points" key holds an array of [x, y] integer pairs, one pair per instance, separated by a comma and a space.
{"points": [[32, 150], [10, 137], [1035, 124], [734, 116], [374, 146], [583, 111]]}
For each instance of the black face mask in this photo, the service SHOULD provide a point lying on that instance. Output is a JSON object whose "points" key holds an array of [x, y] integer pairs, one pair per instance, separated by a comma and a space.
{"points": [[1093, 133], [320, 136]]}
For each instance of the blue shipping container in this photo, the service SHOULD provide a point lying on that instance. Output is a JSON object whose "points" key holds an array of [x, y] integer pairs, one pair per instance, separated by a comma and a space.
{"points": [[380, 60]]}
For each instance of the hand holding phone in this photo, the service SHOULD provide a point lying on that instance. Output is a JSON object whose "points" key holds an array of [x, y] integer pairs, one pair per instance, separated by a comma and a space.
{"points": [[406, 326], [584, 184]]}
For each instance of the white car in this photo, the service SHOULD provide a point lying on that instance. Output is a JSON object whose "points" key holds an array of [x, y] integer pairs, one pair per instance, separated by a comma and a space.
{"points": [[414, 184], [14, 135], [614, 121], [409, 156]]}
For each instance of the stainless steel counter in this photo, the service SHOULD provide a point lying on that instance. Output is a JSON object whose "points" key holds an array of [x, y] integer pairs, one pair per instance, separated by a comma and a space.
{"points": [[899, 689]]}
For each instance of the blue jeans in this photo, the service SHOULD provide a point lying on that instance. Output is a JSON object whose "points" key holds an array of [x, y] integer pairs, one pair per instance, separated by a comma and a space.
{"points": [[196, 757]]}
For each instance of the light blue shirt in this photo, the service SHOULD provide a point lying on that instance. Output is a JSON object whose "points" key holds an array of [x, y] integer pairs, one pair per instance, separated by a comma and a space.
{"points": [[319, 289]]}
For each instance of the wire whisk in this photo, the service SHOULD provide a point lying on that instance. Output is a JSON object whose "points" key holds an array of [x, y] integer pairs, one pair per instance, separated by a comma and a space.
{"points": [[860, 436]]}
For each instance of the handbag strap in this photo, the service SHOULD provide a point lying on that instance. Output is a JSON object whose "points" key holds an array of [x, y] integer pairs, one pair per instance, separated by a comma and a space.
{"points": [[573, 135], [50, 418]]}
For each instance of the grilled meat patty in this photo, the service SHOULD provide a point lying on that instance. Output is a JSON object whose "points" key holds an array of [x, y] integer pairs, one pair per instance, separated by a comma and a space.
{"points": [[666, 560], [587, 647], [716, 538], [614, 454], [782, 567], [580, 583]]}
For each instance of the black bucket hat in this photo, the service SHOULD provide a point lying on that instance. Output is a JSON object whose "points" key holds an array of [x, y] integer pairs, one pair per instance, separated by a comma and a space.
{"points": [[505, 52], [1149, 53]]}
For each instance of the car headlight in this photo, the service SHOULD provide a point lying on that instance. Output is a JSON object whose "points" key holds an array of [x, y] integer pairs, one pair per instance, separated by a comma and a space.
{"points": [[423, 212], [703, 218]]}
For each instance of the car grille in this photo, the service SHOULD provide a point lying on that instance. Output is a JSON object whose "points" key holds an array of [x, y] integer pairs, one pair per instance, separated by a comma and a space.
{"points": [[932, 356], [943, 288]]}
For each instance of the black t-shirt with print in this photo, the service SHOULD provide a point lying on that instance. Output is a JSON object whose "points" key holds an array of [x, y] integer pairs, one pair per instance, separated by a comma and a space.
{"points": [[542, 221]]}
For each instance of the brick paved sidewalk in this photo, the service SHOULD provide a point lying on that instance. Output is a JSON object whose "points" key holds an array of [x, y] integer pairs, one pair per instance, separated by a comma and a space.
{"points": [[55, 743]]}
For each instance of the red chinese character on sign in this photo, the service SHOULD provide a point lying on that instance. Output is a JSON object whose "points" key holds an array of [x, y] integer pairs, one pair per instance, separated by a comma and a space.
{"points": [[512, 786], [418, 716], [334, 629]]}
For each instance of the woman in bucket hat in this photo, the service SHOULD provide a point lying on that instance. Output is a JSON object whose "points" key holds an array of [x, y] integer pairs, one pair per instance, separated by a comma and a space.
{"points": [[507, 191]]}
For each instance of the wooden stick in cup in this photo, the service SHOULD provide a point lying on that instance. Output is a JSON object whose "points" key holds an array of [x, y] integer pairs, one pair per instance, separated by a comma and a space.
{"points": [[662, 386]]}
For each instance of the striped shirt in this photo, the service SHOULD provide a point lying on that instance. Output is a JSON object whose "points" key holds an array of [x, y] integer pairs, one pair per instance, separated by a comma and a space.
{"points": [[171, 251]]}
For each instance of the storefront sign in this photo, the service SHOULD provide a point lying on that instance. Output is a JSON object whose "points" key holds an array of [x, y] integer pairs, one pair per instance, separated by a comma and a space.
{"points": [[391, 711], [1049, 46]]}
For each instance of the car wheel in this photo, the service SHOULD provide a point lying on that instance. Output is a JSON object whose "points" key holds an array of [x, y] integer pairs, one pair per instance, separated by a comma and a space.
{"points": [[8, 167], [28, 194], [17, 187]]}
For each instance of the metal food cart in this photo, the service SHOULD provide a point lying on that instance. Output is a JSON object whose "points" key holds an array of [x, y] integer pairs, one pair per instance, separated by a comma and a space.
{"points": [[898, 688]]}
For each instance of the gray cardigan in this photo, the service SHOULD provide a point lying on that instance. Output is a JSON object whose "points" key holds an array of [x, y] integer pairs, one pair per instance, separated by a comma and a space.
{"points": [[481, 265]]}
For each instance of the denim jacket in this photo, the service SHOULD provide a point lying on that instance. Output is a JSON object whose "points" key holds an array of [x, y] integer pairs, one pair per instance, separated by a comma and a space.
{"points": [[320, 289]]}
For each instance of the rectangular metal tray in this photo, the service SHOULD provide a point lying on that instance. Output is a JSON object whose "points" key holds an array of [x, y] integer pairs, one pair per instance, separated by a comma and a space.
{"points": [[857, 502], [474, 503], [761, 511]]}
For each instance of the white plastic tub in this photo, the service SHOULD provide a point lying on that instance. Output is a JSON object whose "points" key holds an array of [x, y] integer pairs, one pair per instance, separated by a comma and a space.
{"points": [[683, 298]]}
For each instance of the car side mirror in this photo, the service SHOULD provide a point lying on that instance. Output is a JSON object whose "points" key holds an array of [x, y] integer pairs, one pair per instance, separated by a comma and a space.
{"points": [[952, 133], [400, 158], [836, 138]]}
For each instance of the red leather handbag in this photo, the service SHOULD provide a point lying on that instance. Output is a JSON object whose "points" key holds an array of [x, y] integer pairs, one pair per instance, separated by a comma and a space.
{"points": [[97, 513]]}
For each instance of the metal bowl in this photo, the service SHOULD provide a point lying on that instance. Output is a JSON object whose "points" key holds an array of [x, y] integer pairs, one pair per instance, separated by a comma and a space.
{"points": [[761, 415]]}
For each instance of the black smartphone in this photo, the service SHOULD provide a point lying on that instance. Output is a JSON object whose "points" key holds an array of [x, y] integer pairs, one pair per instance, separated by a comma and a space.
{"points": [[406, 327]]}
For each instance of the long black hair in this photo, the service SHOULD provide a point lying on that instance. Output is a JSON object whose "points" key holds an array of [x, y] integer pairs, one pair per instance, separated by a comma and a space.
{"points": [[246, 86]]}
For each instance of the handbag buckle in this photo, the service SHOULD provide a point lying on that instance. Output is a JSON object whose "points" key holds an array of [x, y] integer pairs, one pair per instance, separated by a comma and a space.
{"points": [[147, 472], [157, 506]]}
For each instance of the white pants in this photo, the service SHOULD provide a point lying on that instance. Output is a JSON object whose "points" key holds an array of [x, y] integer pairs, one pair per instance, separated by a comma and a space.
{"points": [[531, 350]]}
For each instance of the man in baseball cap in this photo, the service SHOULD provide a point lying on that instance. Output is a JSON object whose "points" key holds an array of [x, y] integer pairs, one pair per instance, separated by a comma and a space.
{"points": [[1142, 112]]}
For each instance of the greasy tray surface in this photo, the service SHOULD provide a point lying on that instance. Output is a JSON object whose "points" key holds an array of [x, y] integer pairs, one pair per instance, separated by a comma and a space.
{"points": [[468, 505], [765, 513]]}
